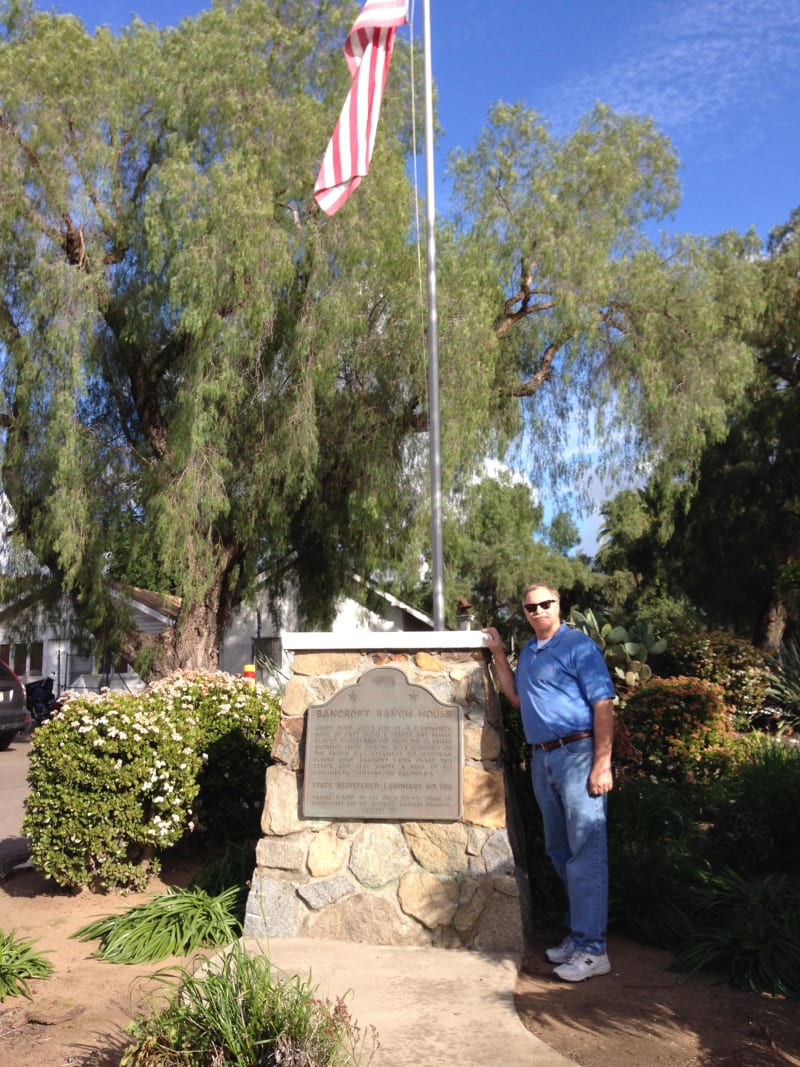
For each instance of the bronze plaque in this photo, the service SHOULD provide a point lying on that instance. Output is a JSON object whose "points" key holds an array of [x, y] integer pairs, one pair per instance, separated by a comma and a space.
{"points": [[383, 748]]}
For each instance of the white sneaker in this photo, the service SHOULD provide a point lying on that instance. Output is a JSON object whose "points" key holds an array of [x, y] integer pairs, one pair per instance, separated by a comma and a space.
{"points": [[562, 953], [582, 965]]}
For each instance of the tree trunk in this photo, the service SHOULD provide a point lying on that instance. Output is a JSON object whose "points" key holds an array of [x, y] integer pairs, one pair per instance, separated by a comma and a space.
{"points": [[772, 625], [191, 644]]}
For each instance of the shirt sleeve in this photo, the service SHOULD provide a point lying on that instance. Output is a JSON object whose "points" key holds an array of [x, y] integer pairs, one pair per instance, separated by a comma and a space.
{"points": [[592, 672]]}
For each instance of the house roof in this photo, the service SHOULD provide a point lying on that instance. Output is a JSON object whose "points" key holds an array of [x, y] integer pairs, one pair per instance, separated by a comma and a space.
{"points": [[396, 602], [153, 611]]}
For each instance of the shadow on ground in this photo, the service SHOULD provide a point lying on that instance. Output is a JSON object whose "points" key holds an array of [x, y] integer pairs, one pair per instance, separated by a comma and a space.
{"points": [[645, 1015]]}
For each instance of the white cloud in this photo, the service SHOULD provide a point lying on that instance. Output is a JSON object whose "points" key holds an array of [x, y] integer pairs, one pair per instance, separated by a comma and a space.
{"points": [[692, 66]]}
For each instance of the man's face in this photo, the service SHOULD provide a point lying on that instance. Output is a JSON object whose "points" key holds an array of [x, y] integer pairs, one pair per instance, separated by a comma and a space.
{"points": [[541, 608]]}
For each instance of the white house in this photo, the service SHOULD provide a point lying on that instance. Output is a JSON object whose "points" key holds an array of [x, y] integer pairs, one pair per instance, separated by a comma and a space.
{"points": [[251, 637], [72, 662]]}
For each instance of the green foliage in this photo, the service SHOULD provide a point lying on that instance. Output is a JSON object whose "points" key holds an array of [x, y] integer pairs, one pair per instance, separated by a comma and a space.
{"points": [[209, 376], [239, 1011], [667, 726], [563, 533], [114, 779], [19, 961], [672, 876], [728, 661], [653, 866], [558, 221], [237, 721], [784, 685], [626, 650], [174, 924], [759, 827], [750, 930], [634, 560], [112, 783], [732, 532], [233, 868], [193, 345], [493, 544]]}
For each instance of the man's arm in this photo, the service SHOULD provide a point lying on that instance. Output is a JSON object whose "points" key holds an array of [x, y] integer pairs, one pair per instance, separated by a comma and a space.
{"points": [[502, 668], [601, 779]]}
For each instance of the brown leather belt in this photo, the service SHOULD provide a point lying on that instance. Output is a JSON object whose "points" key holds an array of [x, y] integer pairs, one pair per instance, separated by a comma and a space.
{"points": [[548, 746]]}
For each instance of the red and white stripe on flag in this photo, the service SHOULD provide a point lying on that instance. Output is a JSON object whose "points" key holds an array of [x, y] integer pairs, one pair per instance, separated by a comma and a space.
{"points": [[368, 49]]}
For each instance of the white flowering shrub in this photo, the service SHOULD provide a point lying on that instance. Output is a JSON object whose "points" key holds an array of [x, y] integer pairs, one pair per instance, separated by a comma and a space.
{"points": [[237, 720], [115, 779]]}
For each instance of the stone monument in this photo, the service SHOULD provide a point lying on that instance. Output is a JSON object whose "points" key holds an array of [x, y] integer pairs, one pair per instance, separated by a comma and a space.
{"points": [[387, 818]]}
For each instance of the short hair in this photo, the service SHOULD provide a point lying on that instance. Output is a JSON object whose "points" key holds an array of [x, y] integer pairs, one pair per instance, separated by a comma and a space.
{"points": [[541, 584]]}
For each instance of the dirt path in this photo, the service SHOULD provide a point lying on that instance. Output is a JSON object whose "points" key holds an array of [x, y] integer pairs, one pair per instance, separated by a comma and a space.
{"points": [[76, 1017], [645, 1015], [641, 1015]]}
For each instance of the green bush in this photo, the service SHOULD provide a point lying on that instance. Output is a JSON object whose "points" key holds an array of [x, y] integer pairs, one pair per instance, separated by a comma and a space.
{"points": [[667, 726], [730, 662], [750, 930], [112, 783], [653, 866], [115, 779], [237, 721], [784, 685], [759, 827]]}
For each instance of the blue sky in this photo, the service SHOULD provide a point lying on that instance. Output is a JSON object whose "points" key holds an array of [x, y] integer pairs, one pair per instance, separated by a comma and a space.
{"points": [[720, 77]]}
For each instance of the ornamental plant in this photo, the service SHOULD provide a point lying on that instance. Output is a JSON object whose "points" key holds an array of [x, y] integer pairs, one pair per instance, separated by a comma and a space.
{"points": [[751, 929], [242, 1011], [116, 779], [237, 720], [174, 923], [112, 782], [625, 650], [19, 961], [784, 685], [729, 661], [758, 829], [653, 866], [668, 726]]}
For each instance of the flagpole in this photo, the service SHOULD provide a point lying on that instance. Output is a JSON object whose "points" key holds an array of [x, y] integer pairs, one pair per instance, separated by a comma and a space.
{"points": [[434, 429]]}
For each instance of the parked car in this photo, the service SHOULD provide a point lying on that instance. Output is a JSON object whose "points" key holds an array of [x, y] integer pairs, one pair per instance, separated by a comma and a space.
{"points": [[13, 709]]}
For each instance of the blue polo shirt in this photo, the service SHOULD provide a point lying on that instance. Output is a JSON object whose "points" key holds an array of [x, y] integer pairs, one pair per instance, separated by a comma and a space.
{"points": [[559, 684]]}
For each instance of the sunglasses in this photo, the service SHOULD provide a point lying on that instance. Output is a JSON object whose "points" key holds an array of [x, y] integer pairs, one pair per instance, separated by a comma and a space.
{"points": [[543, 605]]}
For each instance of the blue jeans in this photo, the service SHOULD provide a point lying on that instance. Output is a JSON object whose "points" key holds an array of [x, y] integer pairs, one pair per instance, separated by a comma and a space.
{"points": [[575, 838]]}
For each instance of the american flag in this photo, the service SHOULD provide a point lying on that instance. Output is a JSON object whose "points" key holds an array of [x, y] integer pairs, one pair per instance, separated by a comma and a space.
{"points": [[368, 49]]}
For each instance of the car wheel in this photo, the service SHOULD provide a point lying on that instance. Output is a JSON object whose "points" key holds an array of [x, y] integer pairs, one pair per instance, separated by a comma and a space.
{"points": [[5, 741]]}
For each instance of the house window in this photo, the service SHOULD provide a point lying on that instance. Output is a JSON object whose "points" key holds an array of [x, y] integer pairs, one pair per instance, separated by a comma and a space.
{"points": [[20, 659], [35, 657], [23, 659]]}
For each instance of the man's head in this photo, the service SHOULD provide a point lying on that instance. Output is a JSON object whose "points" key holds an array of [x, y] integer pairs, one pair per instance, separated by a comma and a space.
{"points": [[541, 604]]}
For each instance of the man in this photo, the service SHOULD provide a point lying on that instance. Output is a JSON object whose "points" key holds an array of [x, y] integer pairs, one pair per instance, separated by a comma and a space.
{"points": [[566, 696]]}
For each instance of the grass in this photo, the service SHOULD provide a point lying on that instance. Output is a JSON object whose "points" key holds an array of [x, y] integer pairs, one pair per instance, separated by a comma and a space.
{"points": [[175, 923], [241, 1012], [19, 961], [749, 929]]}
